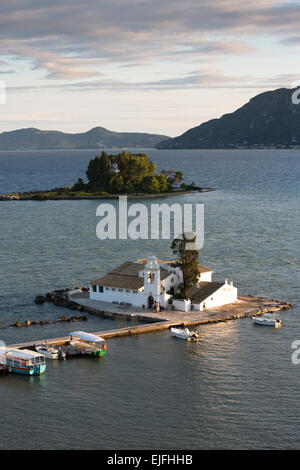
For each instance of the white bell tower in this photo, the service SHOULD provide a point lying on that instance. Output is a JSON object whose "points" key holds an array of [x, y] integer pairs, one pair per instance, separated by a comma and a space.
{"points": [[152, 282]]}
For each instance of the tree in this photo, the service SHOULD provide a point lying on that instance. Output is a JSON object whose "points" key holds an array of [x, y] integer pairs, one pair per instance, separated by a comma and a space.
{"points": [[116, 184], [138, 173], [98, 170], [163, 182], [150, 184], [139, 167], [187, 261], [122, 159], [79, 185]]}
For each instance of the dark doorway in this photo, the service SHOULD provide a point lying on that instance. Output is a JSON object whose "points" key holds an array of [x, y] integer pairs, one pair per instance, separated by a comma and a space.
{"points": [[150, 301]]}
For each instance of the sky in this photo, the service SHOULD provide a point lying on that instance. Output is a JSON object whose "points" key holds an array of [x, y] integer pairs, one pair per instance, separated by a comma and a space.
{"points": [[141, 65]]}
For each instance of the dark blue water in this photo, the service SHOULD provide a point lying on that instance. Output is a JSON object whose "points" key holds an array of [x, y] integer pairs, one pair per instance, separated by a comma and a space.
{"points": [[235, 388]]}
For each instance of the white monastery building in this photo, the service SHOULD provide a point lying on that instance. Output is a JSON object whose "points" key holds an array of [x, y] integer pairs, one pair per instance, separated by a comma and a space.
{"points": [[152, 282]]}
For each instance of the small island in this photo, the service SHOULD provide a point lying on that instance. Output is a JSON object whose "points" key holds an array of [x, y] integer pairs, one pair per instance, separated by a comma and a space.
{"points": [[109, 176]]}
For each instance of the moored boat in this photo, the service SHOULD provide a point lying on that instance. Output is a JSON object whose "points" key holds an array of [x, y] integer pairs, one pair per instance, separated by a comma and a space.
{"points": [[268, 319], [184, 334], [47, 351], [24, 362], [87, 343]]}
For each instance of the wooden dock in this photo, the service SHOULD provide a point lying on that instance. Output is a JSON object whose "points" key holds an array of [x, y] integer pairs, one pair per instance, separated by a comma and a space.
{"points": [[245, 307]]}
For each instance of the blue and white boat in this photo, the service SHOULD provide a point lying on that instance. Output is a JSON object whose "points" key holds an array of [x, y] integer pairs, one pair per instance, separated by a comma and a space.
{"points": [[24, 362]]}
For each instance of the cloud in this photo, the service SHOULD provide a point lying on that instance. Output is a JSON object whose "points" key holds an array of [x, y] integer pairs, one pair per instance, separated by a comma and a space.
{"points": [[74, 39], [206, 78]]}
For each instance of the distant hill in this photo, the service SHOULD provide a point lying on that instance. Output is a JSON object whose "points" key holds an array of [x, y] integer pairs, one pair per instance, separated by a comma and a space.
{"points": [[269, 120], [36, 139]]}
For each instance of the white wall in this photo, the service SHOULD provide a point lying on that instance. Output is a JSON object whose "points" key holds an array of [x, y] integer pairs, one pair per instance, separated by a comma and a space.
{"points": [[205, 277], [182, 305], [167, 284], [138, 299], [164, 300], [227, 294]]}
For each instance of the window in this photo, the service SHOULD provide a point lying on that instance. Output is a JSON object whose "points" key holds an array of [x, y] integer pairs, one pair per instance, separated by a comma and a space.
{"points": [[128, 290], [120, 290], [100, 288], [94, 288], [151, 278], [172, 280], [113, 289], [106, 288]]}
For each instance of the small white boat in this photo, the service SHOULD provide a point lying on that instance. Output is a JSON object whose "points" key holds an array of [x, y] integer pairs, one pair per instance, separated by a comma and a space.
{"points": [[268, 319], [184, 334], [47, 351]]}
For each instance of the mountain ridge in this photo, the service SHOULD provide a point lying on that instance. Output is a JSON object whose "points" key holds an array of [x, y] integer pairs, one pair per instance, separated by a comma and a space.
{"points": [[269, 120], [98, 137]]}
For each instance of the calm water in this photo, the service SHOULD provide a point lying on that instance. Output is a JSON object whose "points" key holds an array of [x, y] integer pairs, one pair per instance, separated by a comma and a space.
{"points": [[235, 388]]}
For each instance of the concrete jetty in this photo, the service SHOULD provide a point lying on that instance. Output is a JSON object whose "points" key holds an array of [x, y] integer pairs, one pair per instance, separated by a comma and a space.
{"points": [[246, 306]]}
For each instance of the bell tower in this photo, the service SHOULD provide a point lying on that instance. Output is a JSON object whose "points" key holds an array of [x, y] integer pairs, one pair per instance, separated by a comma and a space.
{"points": [[152, 282]]}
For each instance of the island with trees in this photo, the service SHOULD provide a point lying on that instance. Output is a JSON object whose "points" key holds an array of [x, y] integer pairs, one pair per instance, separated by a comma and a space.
{"points": [[109, 176]]}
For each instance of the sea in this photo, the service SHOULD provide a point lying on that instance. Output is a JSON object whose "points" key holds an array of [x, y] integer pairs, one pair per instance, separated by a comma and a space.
{"points": [[238, 387]]}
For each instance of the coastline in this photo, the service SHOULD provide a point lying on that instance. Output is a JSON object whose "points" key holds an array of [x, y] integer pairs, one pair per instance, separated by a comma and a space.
{"points": [[46, 195]]}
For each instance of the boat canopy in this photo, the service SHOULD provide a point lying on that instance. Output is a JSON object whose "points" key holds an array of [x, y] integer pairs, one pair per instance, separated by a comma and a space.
{"points": [[25, 354], [86, 336]]}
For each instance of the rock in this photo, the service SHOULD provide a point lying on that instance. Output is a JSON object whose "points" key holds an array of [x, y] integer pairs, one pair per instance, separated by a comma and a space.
{"points": [[83, 318], [65, 318], [40, 299], [73, 306], [60, 302]]}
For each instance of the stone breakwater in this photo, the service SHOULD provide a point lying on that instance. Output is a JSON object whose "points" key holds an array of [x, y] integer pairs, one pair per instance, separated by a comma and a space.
{"points": [[68, 298], [27, 323], [60, 299]]}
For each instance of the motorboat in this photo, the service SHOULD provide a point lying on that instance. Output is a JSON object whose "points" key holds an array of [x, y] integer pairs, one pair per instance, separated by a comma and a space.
{"points": [[184, 334], [268, 319], [47, 351]]}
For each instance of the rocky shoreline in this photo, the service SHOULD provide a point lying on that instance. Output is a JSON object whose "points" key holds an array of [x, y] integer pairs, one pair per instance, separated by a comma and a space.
{"points": [[60, 299]]}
